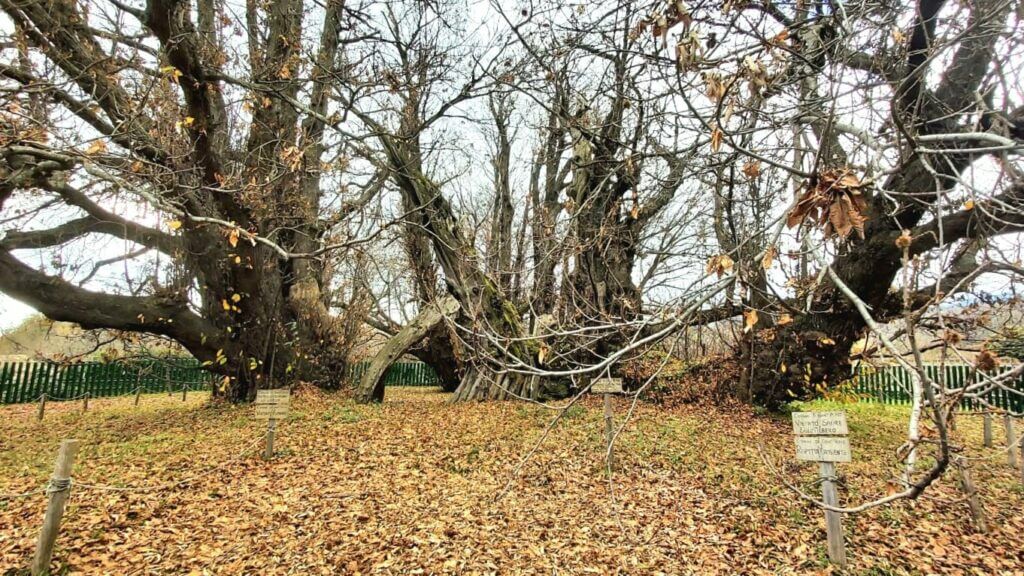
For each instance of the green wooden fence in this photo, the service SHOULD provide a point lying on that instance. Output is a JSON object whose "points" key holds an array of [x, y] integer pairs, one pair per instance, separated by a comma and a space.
{"points": [[892, 385], [27, 381], [400, 374]]}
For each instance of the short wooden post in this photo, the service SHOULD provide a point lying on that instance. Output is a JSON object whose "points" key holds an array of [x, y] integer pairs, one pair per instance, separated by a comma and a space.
{"points": [[609, 428], [973, 501], [85, 402], [59, 491], [833, 520], [988, 430], [184, 392], [42, 407], [1011, 440], [268, 447], [138, 395]]}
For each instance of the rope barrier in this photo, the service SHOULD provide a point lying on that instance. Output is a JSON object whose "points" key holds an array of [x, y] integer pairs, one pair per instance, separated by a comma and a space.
{"points": [[23, 494], [61, 399]]}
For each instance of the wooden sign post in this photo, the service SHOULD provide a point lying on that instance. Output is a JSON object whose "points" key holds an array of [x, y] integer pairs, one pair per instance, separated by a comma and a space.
{"points": [[822, 437], [271, 405], [607, 387]]}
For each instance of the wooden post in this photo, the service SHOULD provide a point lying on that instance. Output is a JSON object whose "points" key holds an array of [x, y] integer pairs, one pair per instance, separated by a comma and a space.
{"points": [[138, 395], [42, 407], [833, 520], [85, 402], [268, 448], [59, 491], [609, 428], [988, 430], [1011, 440], [184, 392], [973, 501]]}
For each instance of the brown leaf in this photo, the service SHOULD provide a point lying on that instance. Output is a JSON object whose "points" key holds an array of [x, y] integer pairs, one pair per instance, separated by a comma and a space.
{"points": [[97, 147], [769, 256], [752, 169], [720, 265], [749, 320], [716, 139]]}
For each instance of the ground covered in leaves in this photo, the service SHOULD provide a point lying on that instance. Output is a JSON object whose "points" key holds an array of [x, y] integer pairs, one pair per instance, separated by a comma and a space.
{"points": [[419, 486]]}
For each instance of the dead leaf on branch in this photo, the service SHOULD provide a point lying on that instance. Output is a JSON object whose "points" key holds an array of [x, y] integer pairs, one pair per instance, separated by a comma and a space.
{"points": [[749, 320], [716, 139], [752, 169], [834, 200], [904, 240], [676, 13], [769, 256], [97, 147], [720, 265]]}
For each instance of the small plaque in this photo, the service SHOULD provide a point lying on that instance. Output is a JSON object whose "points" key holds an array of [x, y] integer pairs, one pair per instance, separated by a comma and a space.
{"points": [[820, 424], [823, 448], [606, 386], [272, 404]]}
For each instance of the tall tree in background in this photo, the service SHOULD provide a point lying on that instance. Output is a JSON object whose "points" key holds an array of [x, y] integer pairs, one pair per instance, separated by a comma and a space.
{"points": [[112, 108]]}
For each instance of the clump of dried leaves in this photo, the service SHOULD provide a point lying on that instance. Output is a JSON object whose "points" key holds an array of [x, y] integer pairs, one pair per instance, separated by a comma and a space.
{"points": [[835, 201]]}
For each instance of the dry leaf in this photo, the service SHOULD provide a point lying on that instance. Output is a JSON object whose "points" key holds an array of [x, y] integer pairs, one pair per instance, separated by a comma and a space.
{"points": [[716, 139], [720, 265], [769, 256], [97, 147], [752, 169], [904, 240], [749, 320]]}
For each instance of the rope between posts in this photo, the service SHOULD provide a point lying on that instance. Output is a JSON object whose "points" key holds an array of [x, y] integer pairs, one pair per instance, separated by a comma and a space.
{"points": [[61, 399], [23, 494]]}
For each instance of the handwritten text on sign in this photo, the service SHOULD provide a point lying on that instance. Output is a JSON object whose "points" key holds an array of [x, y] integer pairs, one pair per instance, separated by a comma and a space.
{"points": [[607, 386], [823, 448], [272, 404], [820, 424]]}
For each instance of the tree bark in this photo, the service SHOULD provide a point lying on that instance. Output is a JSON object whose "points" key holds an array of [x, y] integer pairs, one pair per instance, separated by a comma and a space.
{"points": [[371, 385]]}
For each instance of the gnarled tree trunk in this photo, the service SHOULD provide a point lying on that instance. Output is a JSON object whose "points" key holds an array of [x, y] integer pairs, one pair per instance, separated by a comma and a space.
{"points": [[371, 385]]}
